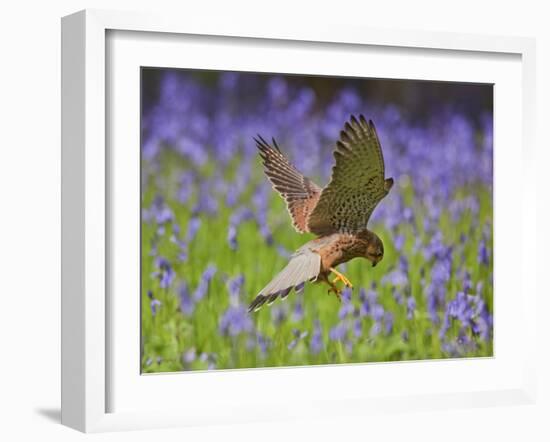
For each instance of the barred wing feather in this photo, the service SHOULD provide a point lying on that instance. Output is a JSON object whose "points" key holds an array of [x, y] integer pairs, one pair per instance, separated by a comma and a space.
{"points": [[357, 184], [300, 193]]}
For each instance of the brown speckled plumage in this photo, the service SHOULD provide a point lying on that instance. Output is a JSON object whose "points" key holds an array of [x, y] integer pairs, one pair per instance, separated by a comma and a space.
{"points": [[338, 214]]}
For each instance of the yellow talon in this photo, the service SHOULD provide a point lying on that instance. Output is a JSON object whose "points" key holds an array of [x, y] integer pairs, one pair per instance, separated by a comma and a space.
{"points": [[337, 292], [341, 277]]}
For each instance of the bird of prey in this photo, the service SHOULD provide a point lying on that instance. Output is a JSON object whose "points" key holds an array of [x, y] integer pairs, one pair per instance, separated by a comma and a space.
{"points": [[337, 214]]}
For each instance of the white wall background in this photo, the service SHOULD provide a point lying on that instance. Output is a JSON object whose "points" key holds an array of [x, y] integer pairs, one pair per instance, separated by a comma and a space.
{"points": [[30, 216]]}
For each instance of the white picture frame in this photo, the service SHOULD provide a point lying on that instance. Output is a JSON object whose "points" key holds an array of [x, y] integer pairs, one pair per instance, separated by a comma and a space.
{"points": [[87, 205]]}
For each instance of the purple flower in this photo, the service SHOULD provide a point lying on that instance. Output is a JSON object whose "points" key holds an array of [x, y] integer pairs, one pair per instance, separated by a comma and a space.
{"points": [[278, 313], [187, 304], [182, 245], [165, 273], [467, 282], [239, 216], [277, 89], [206, 277], [377, 312], [298, 313], [192, 228], [190, 355], [154, 303], [375, 329], [282, 251], [397, 295], [467, 310], [483, 254], [206, 203], [232, 237], [298, 336], [397, 277], [185, 186], [365, 308], [265, 231], [357, 328], [316, 344], [433, 303], [234, 286], [411, 305], [388, 323], [399, 242], [235, 321], [263, 343], [347, 306], [338, 332], [161, 213]]}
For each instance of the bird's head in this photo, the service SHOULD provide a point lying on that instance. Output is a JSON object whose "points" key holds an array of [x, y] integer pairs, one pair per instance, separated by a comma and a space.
{"points": [[375, 249]]}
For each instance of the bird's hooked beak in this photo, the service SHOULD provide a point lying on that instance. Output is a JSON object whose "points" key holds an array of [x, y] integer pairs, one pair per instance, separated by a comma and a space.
{"points": [[374, 263]]}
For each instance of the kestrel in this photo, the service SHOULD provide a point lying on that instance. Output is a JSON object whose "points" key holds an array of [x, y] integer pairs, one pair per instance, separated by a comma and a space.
{"points": [[337, 214]]}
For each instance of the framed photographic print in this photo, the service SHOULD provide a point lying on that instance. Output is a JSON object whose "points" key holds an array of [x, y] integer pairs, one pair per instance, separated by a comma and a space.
{"points": [[251, 209]]}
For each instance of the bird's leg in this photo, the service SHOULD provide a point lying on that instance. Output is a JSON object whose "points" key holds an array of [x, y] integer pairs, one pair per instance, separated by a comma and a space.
{"points": [[341, 277], [333, 288]]}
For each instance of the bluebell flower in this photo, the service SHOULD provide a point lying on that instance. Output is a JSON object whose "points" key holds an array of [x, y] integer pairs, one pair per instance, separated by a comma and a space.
{"points": [[316, 344], [160, 211], [232, 236], [239, 216], [263, 343], [377, 312], [234, 286], [283, 251], [298, 336], [397, 295], [190, 355], [278, 90], [368, 300], [154, 303], [411, 306], [278, 313], [396, 277], [399, 242], [192, 228], [206, 277], [185, 190], [182, 246], [206, 202], [357, 328], [388, 322], [187, 304], [338, 332], [375, 330], [165, 273], [235, 321], [483, 254], [298, 312]]}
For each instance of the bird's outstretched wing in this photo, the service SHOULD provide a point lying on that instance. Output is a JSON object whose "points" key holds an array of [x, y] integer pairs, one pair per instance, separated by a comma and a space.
{"points": [[300, 193], [304, 266], [357, 184]]}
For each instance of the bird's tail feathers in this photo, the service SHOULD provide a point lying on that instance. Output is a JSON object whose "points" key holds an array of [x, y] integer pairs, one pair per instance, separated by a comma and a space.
{"points": [[302, 267]]}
